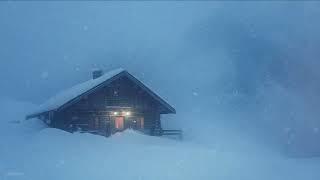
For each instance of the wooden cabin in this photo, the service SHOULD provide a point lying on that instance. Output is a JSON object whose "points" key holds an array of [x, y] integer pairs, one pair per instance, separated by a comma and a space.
{"points": [[106, 104]]}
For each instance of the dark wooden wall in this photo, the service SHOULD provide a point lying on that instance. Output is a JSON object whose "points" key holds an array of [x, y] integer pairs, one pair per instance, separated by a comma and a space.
{"points": [[96, 107]]}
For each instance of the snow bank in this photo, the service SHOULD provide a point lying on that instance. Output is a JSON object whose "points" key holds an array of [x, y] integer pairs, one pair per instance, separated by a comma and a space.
{"points": [[51, 154], [12, 121]]}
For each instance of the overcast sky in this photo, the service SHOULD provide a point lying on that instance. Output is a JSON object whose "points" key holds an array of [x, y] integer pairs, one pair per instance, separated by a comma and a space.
{"points": [[197, 55]]}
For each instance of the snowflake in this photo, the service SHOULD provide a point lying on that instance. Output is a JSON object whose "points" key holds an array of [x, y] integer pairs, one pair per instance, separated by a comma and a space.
{"points": [[44, 75], [287, 130], [77, 69], [60, 163], [65, 57]]}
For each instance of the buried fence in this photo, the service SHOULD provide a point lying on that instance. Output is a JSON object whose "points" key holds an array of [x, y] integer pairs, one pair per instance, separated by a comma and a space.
{"points": [[167, 132]]}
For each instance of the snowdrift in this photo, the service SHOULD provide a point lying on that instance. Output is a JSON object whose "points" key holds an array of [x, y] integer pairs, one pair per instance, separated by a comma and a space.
{"points": [[30, 150]]}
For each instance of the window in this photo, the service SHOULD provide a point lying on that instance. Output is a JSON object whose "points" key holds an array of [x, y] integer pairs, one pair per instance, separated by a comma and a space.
{"points": [[115, 93]]}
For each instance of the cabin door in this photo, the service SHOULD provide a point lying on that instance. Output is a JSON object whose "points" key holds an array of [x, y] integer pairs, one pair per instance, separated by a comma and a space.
{"points": [[119, 123]]}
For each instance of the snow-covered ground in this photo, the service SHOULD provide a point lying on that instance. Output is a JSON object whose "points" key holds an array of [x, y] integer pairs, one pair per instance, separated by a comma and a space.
{"points": [[30, 151]]}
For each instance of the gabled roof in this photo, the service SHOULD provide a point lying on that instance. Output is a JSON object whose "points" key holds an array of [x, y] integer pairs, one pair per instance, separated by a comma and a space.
{"points": [[75, 93]]}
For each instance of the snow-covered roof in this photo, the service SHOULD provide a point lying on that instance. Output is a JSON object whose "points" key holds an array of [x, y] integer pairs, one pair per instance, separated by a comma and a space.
{"points": [[68, 95], [65, 96]]}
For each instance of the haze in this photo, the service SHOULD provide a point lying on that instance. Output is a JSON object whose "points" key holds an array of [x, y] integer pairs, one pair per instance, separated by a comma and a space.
{"points": [[251, 67]]}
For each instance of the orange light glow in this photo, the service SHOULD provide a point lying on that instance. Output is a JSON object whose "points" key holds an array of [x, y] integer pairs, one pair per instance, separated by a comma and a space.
{"points": [[119, 122]]}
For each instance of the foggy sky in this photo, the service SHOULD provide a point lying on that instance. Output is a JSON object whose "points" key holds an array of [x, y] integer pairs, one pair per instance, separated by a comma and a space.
{"points": [[240, 57]]}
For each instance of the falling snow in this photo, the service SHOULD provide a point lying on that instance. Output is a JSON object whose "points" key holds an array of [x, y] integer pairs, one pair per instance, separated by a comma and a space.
{"points": [[44, 75]]}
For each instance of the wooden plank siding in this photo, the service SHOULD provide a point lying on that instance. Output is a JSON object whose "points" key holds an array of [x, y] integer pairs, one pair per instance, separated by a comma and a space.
{"points": [[94, 111]]}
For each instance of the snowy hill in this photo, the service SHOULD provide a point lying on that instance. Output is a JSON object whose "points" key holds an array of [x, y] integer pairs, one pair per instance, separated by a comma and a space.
{"points": [[29, 150]]}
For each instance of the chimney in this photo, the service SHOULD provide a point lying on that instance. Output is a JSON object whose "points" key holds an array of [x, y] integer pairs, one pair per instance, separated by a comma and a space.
{"points": [[96, 73]]}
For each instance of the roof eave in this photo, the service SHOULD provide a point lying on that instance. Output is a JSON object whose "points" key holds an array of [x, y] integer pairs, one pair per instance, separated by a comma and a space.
{"points": [[30, 116], [152, 93]]}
